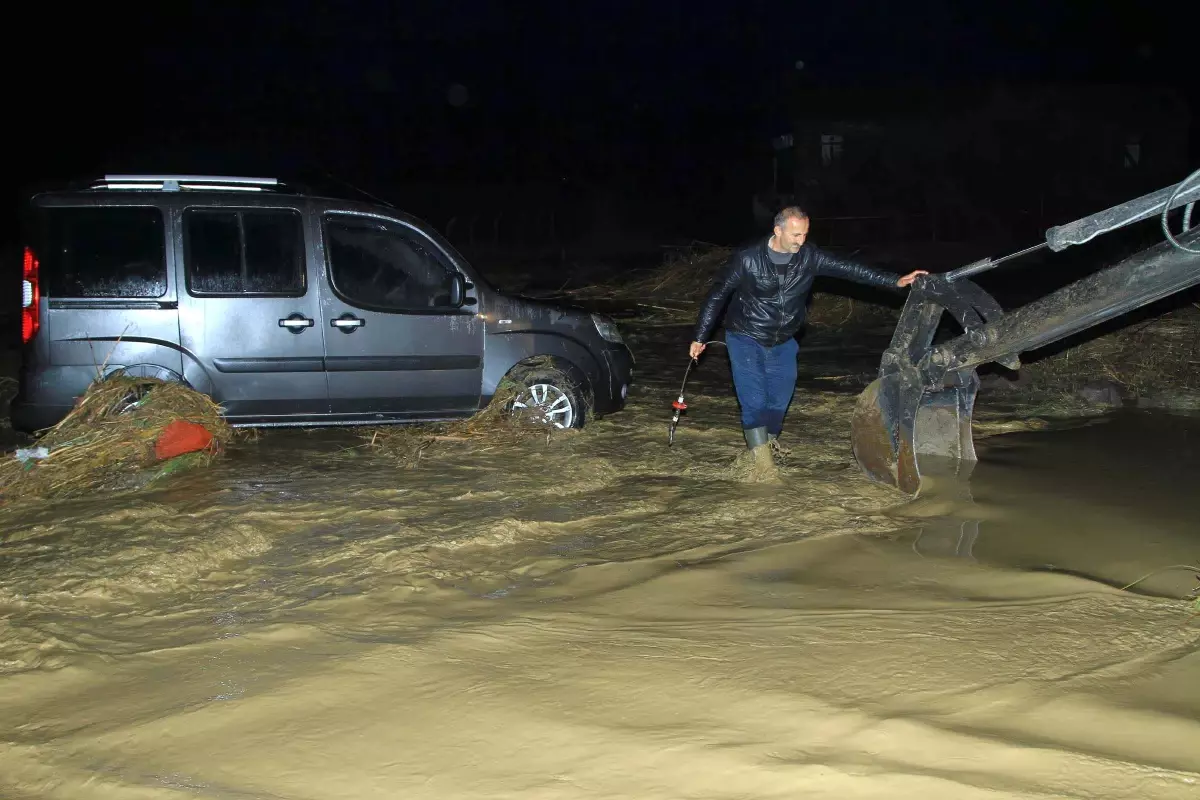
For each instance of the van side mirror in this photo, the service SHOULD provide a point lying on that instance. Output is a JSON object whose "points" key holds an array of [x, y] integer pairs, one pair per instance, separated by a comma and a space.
{"points": [[458, 290]]}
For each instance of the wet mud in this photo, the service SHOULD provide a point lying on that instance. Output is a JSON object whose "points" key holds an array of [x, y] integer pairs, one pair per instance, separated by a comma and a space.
{"points": [[600, 615]]}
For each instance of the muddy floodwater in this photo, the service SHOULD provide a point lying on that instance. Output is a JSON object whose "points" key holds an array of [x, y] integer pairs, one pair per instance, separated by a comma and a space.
{"points": [[601, 616]]}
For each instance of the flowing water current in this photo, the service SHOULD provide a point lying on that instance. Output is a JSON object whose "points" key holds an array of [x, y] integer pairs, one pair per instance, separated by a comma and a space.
{"points": [[600, 616]]}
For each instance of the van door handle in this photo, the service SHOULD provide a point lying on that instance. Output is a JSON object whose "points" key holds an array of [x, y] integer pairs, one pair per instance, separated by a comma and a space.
{"points": [[296, 323], [347, 323]]}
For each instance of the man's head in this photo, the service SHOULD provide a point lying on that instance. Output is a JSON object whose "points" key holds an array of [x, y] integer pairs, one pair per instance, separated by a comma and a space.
{"points": [[791, 229]]}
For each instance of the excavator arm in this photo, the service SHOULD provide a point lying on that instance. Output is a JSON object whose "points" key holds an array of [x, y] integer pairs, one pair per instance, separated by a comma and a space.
{"points": [[922, 401]]}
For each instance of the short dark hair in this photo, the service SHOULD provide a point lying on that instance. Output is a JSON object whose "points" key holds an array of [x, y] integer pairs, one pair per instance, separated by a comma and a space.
{"points": [[791, 211]]}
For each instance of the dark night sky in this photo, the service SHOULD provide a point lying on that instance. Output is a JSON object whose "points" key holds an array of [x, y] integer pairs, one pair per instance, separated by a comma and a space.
{"points": [[585, 90]]}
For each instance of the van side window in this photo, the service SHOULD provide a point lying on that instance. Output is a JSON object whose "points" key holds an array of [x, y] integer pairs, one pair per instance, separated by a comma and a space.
{"points": [[378, 265], [244, 252], [113, 251]]}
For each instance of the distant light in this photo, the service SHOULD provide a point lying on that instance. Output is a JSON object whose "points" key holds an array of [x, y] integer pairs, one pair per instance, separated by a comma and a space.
{"points": [[799, 65], [457, 95]]}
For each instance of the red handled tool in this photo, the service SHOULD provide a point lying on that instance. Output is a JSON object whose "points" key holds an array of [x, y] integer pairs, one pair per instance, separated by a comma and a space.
{"points": [[680, 405]]}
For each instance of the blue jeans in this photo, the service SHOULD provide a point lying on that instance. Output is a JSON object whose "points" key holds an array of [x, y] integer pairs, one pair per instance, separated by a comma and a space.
{"points": [[764, 378]]}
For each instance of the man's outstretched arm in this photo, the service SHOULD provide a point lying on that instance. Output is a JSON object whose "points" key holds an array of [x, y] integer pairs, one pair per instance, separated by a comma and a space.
{"points": [[724, 284], [834, 267]]}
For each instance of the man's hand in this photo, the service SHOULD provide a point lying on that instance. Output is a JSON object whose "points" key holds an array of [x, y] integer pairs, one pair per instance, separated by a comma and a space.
{"points": [[910, 277], [696, 349]]}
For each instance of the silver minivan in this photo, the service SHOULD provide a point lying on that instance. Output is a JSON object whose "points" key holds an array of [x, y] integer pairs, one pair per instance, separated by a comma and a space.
{"points": [[288, 309]]}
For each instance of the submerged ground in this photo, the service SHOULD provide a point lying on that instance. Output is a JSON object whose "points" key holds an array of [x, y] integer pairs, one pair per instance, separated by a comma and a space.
{"points": [[601, 616]]}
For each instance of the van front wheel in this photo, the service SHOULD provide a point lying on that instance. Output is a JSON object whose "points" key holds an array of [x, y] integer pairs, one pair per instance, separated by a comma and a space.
{"points": [[548, 397]]}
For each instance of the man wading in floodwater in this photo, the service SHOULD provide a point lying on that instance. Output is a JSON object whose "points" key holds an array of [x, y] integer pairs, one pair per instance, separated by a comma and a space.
{"points": [[770, 283]]}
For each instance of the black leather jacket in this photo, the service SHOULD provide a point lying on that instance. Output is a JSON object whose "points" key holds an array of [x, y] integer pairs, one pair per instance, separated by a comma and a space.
{"points": [[766, 307]]}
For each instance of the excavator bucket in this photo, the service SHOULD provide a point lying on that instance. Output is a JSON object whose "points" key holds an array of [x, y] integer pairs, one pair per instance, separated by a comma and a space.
{"points": [[916, 409], [920, 406]]}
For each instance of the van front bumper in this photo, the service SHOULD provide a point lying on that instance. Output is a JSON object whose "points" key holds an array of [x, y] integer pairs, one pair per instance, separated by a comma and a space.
{"points": [[618, 363]]}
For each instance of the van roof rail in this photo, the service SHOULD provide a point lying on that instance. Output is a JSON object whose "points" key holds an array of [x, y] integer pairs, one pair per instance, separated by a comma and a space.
{"points": [[177, 183]]}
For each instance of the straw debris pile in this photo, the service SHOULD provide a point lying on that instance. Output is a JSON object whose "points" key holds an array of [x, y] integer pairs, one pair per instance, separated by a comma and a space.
{"points": [[493, 426], [1161, 354], [109, 440]]}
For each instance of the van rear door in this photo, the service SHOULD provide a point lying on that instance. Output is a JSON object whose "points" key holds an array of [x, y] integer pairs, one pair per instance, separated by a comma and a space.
{"points": [[249, 314]]}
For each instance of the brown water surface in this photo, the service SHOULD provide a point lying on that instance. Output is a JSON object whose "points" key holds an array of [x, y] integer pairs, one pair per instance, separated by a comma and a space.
{"points": [[600, 616]]}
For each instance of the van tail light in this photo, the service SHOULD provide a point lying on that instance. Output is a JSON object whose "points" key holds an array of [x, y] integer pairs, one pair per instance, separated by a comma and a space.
{"points": [[31, 295]]}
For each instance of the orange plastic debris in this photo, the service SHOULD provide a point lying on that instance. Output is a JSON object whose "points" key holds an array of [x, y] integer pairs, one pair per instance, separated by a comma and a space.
{"points": [[181, 437]]}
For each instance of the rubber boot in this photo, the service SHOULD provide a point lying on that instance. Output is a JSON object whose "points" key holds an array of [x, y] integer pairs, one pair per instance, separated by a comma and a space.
{"points": [[756, 464], [755, 437]]}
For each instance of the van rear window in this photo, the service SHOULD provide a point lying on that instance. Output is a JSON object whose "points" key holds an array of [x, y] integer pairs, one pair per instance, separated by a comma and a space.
{"points": [[104, 252]]}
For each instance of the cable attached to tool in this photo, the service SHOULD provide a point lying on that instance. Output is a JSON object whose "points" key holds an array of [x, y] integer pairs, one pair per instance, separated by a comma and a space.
{"points": [[1187, 215], [679, 405]]}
